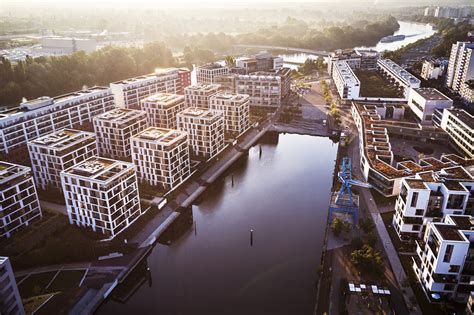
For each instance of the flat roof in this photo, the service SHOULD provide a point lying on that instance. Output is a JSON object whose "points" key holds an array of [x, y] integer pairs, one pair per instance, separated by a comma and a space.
{"points": [[347, 74], [431, 94], [165, 99], [399, 71], [121, 115], [449, 232], [463, 222], [231, 97], [203, 87], [211, 66], [463, 116], [10, 170], [416, 183], [154, 75], [99, 168], [62, 139], [160, 135]]}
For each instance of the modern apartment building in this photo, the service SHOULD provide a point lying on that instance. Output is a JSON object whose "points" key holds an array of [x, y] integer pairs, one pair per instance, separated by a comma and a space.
{"points": [[198, 95], [399, 75], [161, 156], [185, 78], [460, 66], [128, 93], [355, 58], [467, 92], [102, 194], [444, 260], [207, 73], [375, 123], [430, 196], [161, 109], [57, 151], [459, 125], [424, 101], [262, 61], [114, 130], [38, 117], [19, 203], [432, 69], [347, 83], [205, 130], [10, 299], [236, 111]]}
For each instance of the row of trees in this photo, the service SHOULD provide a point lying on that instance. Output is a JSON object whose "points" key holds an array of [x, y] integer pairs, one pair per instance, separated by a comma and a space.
{"points": [[333, 110], [58, 75]]}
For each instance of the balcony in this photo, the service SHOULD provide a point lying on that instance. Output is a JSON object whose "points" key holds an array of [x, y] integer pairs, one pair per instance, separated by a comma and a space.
{"points": [[443, 278]]}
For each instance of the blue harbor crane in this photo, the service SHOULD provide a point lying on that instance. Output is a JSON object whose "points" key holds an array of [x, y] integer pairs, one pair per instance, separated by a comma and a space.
{"points": [[344, 201]]}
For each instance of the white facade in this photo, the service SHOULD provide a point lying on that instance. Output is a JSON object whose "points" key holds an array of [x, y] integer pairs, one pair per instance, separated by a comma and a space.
{"points": [[114, 130], [36, 118], [57, 151], [445, 261], [10, 297], [424, 101], [459, 125], [128, 93], [264, 89], [161, 156], [399, 75], [431, 70], [347, 83], [206, 74], [161, 109], [236, 111], [102, 194], [198, 95], [431, 196], [19, 202], [67, 45], [461, 65], [205, 130], [467, 92]]}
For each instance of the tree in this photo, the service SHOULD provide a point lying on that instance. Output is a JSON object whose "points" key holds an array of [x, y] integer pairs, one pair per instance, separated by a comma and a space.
{"points": [[336, 226], [368, 259], [229, 61], [366, 225]]}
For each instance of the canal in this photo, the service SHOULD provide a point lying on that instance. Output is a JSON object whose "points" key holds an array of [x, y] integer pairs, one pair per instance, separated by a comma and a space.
{"points": [[281, 192]]}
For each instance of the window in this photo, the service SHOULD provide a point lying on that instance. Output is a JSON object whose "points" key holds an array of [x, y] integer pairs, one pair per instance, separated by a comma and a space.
{"points": [[454, 268], [448, 253], [419, 212], [414, 199]]}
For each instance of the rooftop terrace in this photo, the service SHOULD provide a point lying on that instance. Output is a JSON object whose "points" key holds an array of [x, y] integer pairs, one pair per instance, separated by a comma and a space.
{"points": [[98, 168], [161, 135], [62, 139], [9, 171], [432, 94], [449, 232], [121, 115], [164, 99]]}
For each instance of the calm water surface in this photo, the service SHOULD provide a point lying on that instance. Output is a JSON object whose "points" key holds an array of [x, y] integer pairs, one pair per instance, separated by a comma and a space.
{"points": [[283, 196]]}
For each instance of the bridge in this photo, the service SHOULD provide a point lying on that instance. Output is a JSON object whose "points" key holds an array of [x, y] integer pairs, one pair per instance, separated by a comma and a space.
{"points": [[292, 49]]}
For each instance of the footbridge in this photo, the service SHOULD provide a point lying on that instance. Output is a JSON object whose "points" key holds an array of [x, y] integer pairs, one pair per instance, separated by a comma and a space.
{"points": [[321, 53]]}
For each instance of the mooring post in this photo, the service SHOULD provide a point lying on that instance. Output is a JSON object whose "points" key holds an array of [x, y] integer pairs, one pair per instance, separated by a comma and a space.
{"points": [[251, 237]]}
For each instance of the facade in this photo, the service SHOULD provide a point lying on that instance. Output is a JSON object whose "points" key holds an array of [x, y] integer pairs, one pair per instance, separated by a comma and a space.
{"points": [[262, 61], [66, 45], [161, 156], [207, 73], [205, 130], [185, 78], [19, 204], [444, 260], [460, 66], [355, 58], [102, 194], [467, 92], [424, 101], [198, 95], [431, 70], [376, 123], [430, 196], [236, 111], [128, 93], [57, 151], [10, 299], [114, 130], [459, 125], [161, 109], [347, 83], [38, 117]]}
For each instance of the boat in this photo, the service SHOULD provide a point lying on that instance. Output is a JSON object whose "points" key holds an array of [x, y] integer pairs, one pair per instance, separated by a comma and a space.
{"points": [[392, 38]]}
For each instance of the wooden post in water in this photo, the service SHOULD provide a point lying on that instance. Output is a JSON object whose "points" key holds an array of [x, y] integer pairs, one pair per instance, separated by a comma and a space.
{"points": [[195, 228], [260, 153], [232, 177], [251, 237]]}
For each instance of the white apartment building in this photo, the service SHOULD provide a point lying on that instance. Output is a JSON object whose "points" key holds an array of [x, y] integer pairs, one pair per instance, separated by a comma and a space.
{"points": [[424, 101], [431, 70], [429, 196], [19, 203], [444, 263], [102, 194], [399, 75], [114, 130], [355, 58], [467, 92], [461, 65], [207, 73], [236, 111], [57, 151], [198, 95], [205, 130], [10, 299], [162, 157], [264, 89], [347, 83], [38, 117], [128, 93], [459, 125], [161, 109]]}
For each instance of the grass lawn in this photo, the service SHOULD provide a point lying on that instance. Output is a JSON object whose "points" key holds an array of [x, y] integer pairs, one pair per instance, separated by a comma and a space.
{"points": [[35, 284], [66, 279], [373, 84]]}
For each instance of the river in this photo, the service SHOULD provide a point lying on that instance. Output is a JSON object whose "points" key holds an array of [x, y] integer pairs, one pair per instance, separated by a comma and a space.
{"points": [[283, 196]]}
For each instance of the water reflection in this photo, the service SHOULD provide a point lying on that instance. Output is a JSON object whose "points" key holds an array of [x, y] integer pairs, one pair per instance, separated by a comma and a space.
{"points": [[283, 197]]}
